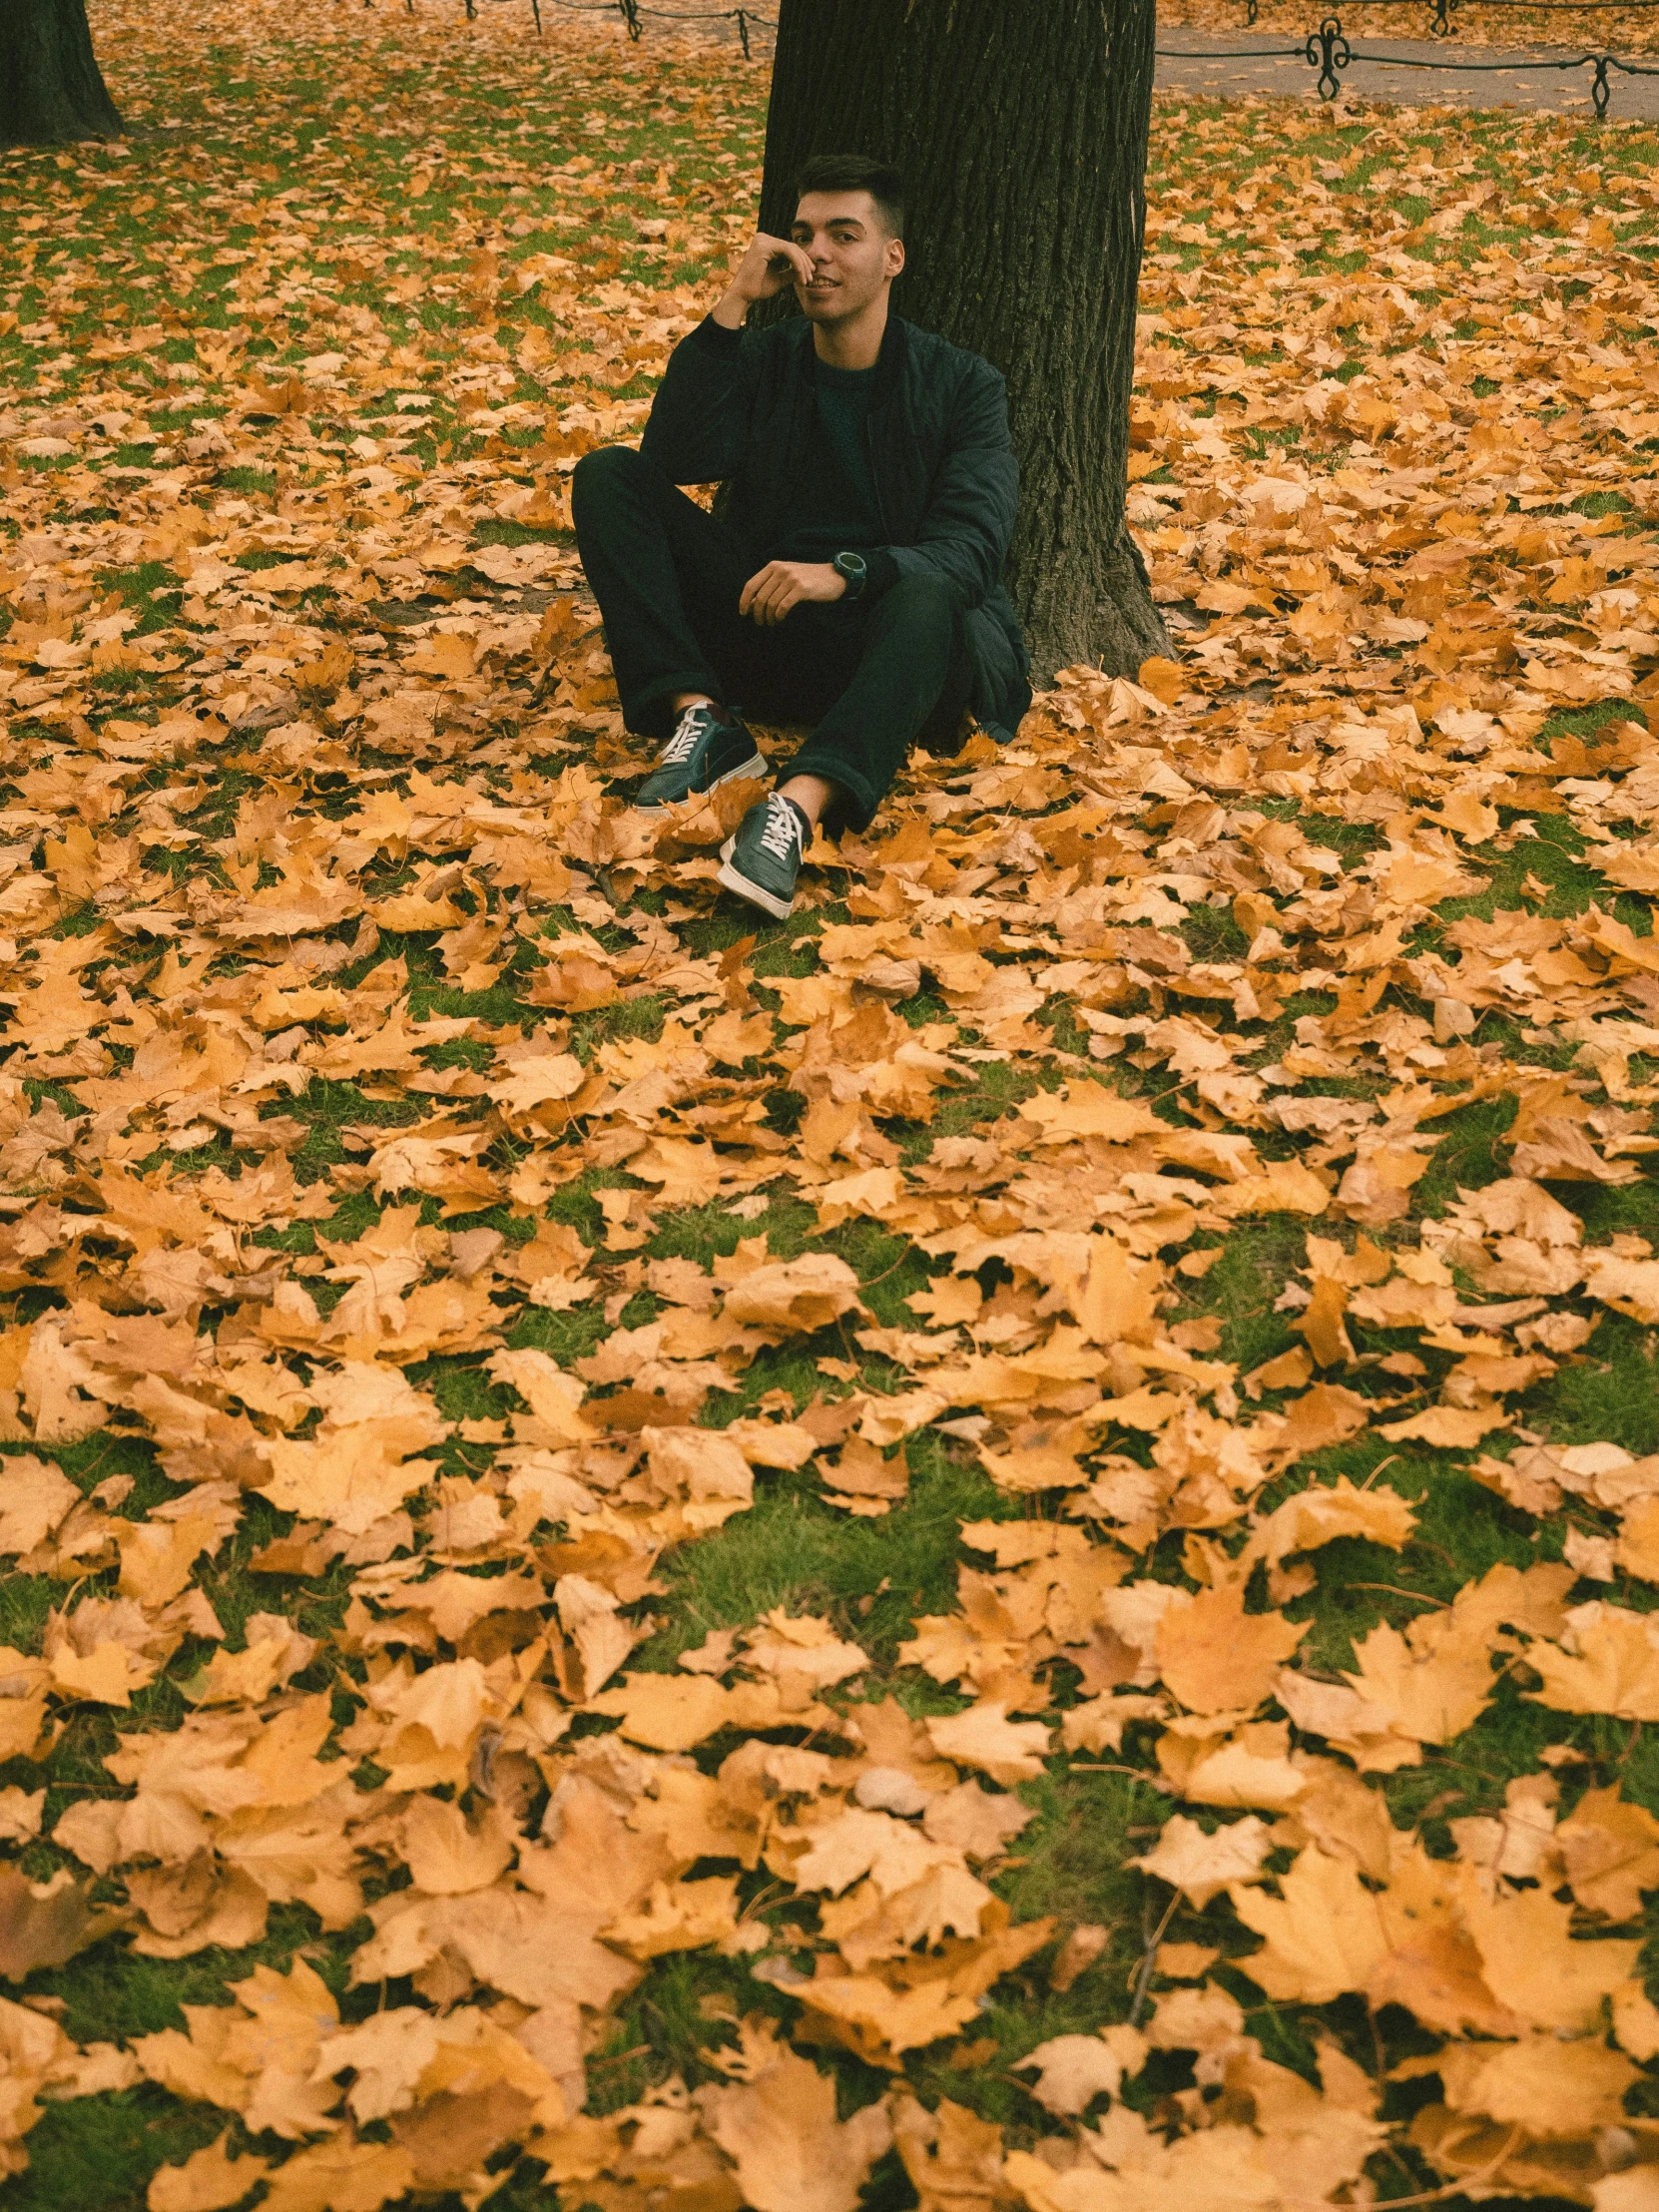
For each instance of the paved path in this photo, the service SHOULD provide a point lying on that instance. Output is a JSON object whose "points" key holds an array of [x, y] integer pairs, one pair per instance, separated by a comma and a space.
{"points": [[1499, 82]]}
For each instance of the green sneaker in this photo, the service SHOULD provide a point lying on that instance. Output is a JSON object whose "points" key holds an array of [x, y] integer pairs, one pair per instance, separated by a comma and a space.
{"points": [[762, 860], [705, 749]]}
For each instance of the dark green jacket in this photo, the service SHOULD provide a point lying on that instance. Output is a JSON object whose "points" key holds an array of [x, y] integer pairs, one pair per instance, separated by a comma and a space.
{"points": [[739, 407]]}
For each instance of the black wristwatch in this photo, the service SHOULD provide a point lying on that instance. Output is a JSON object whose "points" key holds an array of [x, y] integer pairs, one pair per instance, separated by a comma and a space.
{"points": [[850, 568]]}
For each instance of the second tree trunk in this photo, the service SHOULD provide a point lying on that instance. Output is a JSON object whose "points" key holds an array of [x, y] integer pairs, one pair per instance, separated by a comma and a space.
{"points": [[51, 89]]}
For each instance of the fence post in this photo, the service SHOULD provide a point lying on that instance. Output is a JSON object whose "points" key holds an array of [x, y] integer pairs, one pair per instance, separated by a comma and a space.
{"points": [[743, 32], [535, 10], [629, 10], [1601, 90], [1328, 52]]}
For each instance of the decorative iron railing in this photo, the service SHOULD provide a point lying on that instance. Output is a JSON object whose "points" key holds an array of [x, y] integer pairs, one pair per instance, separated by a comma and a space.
{"points": [[1326, 49], [634, 12], [1329, 51]]}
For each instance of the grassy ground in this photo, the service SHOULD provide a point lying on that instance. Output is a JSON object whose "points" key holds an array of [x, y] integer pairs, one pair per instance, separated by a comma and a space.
{"points": [[366, 188]]}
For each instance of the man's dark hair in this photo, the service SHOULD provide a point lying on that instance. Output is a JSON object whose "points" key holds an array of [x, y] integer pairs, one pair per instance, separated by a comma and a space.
{"points": [[858, 172]]}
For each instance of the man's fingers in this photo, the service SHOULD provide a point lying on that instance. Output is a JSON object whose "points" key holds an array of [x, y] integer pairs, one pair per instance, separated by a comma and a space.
{"points": [[758, 592], [769, 594], [781, 261], [779, 250]]}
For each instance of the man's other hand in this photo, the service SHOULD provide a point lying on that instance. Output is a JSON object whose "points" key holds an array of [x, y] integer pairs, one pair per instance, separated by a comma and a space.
{"points": [[772, 591], [770, 265]]}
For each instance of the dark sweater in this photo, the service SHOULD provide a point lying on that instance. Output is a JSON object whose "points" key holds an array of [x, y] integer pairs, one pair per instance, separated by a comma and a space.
{"points": [[833, 509]]}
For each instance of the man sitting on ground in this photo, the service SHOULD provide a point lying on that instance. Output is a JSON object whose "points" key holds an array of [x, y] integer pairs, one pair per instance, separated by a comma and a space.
{"points": [[854, 578]]}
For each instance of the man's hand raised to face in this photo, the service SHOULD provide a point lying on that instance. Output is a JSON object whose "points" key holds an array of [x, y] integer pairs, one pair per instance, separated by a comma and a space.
{"points": [[770, 265], [772, 591]]}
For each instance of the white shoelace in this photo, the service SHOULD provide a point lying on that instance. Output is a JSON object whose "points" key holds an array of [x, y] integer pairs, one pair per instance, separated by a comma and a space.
{"points": [[780, 832], [684, 740]]}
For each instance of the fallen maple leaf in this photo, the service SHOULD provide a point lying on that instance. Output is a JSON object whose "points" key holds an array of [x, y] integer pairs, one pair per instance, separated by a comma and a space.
{"points": [[984, 1737], [1072, 2070], [209, 2180], [1201, 1865], [1214, 1655], [789, 2152], [46, 1924]]}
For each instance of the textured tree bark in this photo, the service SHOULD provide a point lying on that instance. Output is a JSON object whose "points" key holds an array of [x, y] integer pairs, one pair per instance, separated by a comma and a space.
{"points": [[51, 88], [1021, 130]]}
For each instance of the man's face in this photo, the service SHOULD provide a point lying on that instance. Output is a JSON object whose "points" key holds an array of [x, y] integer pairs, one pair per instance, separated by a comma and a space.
{"points": [[853, 260]]}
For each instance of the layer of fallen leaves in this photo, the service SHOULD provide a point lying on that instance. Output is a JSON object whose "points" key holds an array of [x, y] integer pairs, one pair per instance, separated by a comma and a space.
{"points": [[1198, 951]]}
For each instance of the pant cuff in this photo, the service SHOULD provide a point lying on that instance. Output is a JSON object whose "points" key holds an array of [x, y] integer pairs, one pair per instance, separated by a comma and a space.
{"points": [[648, 712], [855, 804]]}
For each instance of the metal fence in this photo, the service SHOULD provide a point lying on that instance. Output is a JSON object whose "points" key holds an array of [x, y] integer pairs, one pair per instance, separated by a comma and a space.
{"points": [[1330, 52], [632, 13], [1327, 50], [1442, 14]]}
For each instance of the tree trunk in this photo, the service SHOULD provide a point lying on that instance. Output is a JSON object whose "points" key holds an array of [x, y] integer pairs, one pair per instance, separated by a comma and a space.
{"points": [[1021, 132], [51, 89]]}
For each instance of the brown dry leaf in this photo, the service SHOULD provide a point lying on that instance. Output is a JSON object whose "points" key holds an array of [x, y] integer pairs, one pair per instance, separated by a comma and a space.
{"points": [[1186, 1961], [1608, 1662], [789, 2152], [1431, 1684], [669, 1713], [1225, 2167], [953, 2157], [1318, 1516], [1323, 1934], [972, 1819], [341, 2175], [1201, 1866], [1530, 1964], [1432, 1964], [1610, 1851], [1072, 2070], [984, 1737], [793, 1296], [351, 1481], [1215, 1656], [447, 1854], [1448, 1427], [1549, 2087], [1082, 1946], [210, 2180], [680, 1915], [45, 1924]]}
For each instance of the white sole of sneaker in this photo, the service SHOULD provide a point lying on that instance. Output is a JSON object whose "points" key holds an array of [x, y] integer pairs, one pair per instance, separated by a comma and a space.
{"points": [[779, 909], [755, 766]]}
